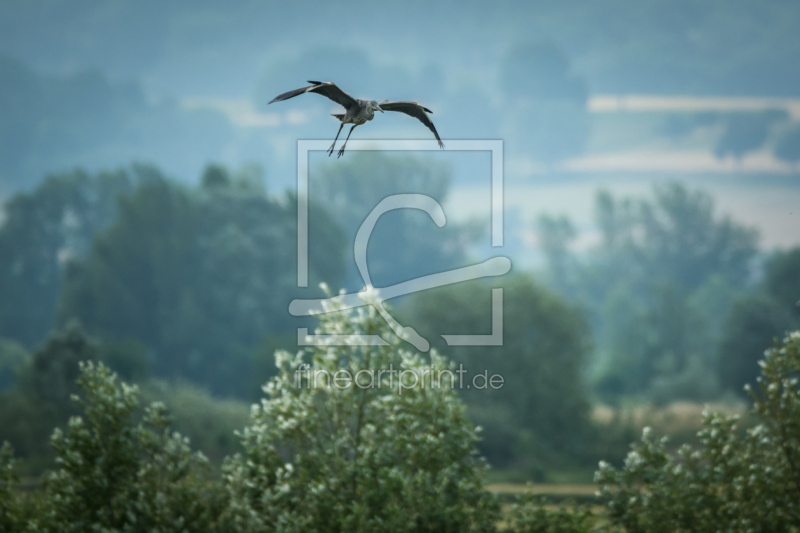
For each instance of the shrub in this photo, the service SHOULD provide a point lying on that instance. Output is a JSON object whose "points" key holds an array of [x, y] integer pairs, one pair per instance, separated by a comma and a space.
{"points": [[9, 517], [734, 481], [358, 458], [117, 476]]}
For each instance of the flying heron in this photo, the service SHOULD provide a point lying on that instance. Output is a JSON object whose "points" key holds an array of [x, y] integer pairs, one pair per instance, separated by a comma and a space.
{"points": [[357, 111]]}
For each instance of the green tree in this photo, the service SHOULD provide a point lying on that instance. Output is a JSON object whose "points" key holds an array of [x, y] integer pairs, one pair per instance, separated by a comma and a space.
{"points": [[371, 456], [556, 235], [42, 230], [45, 381], [753, 322], [657, 289], [135, 281], [11, 357], [198, 276], [782, 279], [538, 420], [55, 366], [10, 519], [756, 318], [117, 476], [733, 481], [684, 239], [40, 398]]}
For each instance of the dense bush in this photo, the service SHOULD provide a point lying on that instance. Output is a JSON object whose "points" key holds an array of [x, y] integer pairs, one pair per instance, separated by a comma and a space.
{"points": [[114, 475], [315, 459], [44, 380], [366, 457], [9, 513], [375, 456], [734, 481], [39, 399]]}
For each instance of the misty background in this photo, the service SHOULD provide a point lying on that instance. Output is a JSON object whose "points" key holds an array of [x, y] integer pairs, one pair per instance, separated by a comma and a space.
{"points": [[652, 185]]}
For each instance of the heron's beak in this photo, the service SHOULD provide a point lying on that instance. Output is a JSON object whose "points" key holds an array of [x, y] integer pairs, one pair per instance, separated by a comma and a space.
{"points": [[378, 108]]}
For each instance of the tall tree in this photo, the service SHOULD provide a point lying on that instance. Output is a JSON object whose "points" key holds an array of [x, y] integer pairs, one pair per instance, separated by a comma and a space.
{"points": [[657, 288], [198, 275], [758, 318], [42, 230], [538, 418]]}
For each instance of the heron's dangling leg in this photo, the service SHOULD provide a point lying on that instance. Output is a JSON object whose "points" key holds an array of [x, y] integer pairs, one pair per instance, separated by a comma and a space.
{"points": [[330, 150], [341, 150]]}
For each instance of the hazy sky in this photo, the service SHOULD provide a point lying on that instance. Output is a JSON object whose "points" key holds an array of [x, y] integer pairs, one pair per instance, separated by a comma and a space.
{"points": [[226, 58]]}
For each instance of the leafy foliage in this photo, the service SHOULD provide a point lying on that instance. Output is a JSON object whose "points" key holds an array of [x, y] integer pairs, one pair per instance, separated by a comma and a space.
{"points": [[539, 417], [657, 289], [45, 380], [366, 457], [11, 357], [782, 281], [42, 230], [116, 476], [9, 504], [733, 481], [198, 276], [756, 318]]}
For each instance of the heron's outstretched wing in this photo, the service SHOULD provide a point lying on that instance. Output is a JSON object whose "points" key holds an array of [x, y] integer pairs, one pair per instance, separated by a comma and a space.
{"points": [[325, 88], [415, 110]]}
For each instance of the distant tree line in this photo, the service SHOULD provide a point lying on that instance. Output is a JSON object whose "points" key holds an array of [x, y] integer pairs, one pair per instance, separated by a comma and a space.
{"points": [[199, 276], [191, 284], [673, 294]]}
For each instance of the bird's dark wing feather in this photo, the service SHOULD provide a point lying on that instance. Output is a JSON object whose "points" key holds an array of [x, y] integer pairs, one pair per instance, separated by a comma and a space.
{"points": [[415, 110], [325, 88]]}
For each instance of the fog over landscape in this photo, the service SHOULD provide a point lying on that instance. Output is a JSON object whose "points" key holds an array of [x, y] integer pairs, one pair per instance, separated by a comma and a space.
{"points": [[150, 193]]}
